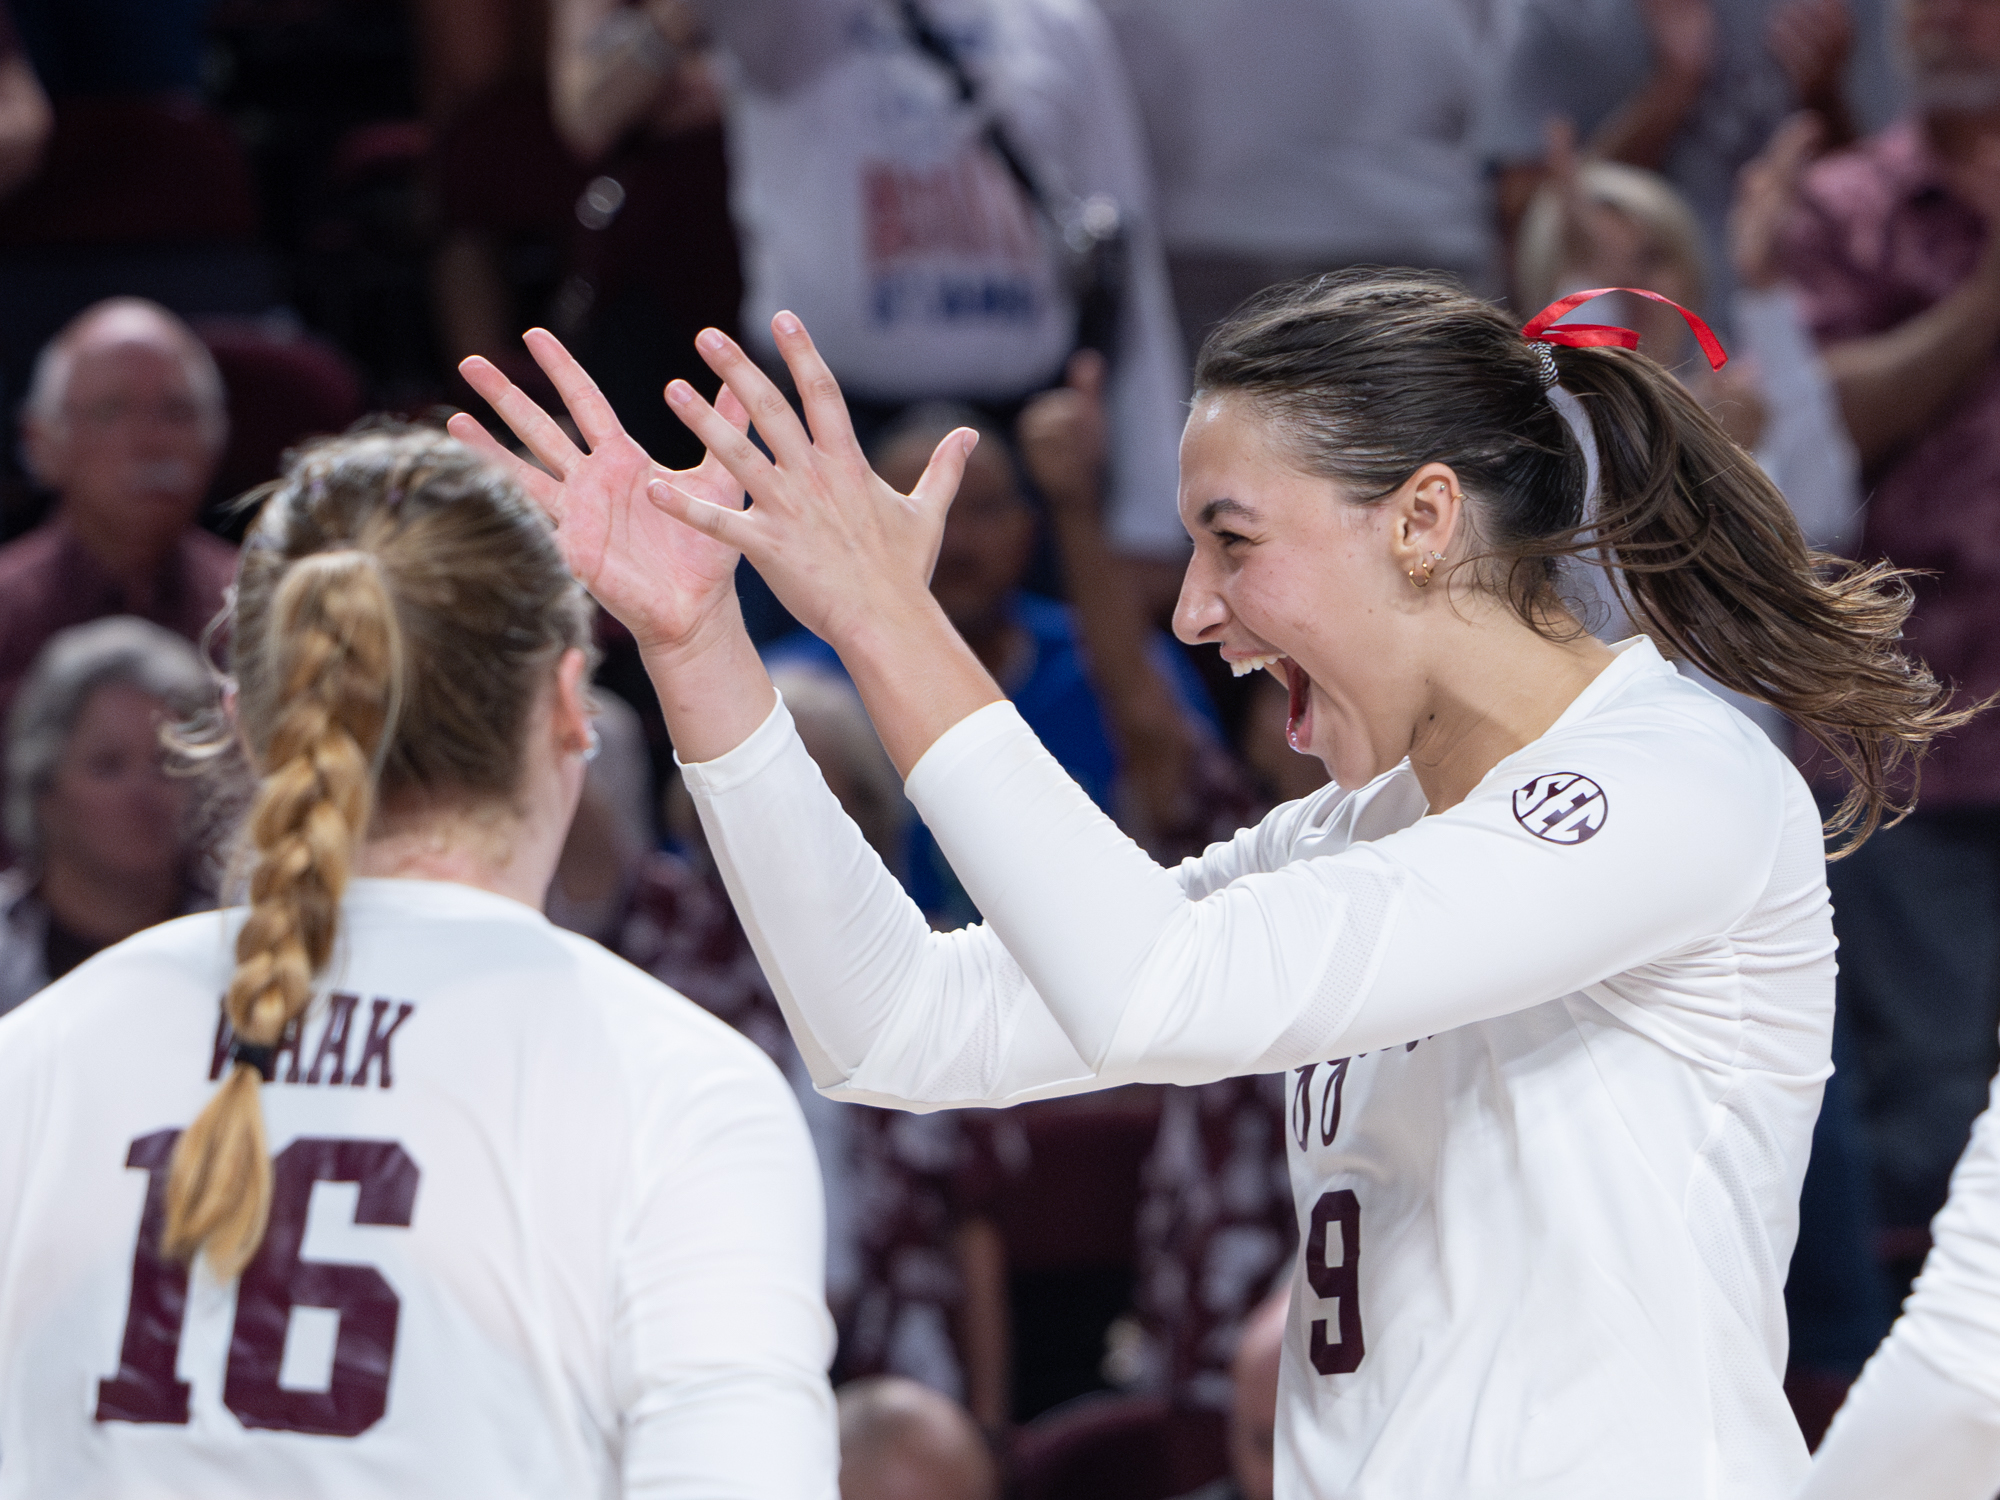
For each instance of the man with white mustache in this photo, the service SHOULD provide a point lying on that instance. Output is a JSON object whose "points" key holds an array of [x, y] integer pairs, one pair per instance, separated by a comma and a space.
{"points": [[125, 422]]}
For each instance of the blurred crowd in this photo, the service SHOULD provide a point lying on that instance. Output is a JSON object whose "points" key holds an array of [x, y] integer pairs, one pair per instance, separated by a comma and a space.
{"points": [[228, 225]]}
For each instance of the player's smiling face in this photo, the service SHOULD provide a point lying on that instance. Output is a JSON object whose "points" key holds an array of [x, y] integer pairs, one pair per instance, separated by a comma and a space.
{"points": [[1289, 576]]}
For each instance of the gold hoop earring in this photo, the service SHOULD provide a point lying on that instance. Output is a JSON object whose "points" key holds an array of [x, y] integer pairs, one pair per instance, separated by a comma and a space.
{"points": [[1429, 568]]}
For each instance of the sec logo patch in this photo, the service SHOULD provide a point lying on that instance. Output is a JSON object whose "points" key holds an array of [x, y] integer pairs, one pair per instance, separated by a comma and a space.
{"points": [[1561, 807]]}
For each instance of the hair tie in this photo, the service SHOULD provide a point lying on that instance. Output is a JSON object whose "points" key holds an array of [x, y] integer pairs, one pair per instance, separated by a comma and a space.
{"points": [[263, 1059], [1545, 361], [1542, 328]]}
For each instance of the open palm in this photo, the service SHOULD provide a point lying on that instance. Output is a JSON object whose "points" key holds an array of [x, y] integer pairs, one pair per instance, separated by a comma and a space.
{"points": [[659, 576]]}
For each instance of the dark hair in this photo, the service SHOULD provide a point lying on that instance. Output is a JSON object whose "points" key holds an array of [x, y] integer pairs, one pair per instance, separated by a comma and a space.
{"points": [[1369, 374], [399, 604]]}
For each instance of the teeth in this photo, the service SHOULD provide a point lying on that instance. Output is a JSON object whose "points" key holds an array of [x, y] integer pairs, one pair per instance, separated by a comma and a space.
{"points": [[1251, 664]]}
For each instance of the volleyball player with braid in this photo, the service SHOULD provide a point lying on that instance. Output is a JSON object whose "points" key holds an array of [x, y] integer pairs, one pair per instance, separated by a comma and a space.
{"points": [[440, 1200], [1550, 964]]}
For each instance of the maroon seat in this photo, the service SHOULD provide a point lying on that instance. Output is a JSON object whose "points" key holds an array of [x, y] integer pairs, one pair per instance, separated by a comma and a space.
{"points": [[1097, 1448], [135, 171], [284, 385]]}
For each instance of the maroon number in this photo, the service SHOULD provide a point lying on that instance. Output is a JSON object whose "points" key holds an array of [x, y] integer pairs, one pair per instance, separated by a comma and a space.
{"points": [[277, 1281], [1341, 1282], [144, 1389]]}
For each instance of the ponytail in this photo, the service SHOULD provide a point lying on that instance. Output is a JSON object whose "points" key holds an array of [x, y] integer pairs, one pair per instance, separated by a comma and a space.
{"points": [[333, 650], [1711, 563], [1366, 375]]}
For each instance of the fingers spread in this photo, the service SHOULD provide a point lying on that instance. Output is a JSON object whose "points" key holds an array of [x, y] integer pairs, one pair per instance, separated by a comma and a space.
{"points": [[528, 422], [819, 392], [732, 527], [768, 408], [726, 442], [592, 414], [542, 488]]}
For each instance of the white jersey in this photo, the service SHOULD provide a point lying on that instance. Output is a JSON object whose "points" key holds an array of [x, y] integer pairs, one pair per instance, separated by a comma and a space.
{"points": [[540, 1227], [1555, 1055], [1923, 1421]]}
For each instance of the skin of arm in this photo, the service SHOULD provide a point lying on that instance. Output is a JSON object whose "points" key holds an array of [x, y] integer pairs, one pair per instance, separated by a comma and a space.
{"points": [[1062, 437], [983, 1324], [1683, 37], [1892, 385]]}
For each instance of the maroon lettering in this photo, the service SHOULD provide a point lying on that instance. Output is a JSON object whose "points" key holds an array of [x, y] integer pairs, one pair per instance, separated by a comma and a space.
{"points": [[144, 1389], [377, 1042], [333, 1040], [1302, 1110], [278, 1280], [1336, 1283], [1329, 1102]]}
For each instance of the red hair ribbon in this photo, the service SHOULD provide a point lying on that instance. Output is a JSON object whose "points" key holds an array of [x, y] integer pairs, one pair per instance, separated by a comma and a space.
{"points": [[1540, 328]]}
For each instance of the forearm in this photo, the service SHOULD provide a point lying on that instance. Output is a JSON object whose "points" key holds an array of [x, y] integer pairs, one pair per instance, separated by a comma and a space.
{"points": [[1892, 385], [712, 686], [1643, 131], [916, 676]]}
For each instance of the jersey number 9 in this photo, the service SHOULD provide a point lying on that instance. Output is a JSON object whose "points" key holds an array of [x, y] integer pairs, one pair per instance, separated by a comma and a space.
{"points": [[1339, 1283], [276, 1281]]}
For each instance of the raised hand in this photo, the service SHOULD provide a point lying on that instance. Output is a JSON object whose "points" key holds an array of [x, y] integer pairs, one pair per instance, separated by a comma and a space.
{"points": [[1064, 438], [837, 544], [1767, 190], [662, 579]]}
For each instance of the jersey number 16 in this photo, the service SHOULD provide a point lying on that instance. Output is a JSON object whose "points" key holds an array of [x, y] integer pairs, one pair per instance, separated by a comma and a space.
{"points": [[277, 1280]]}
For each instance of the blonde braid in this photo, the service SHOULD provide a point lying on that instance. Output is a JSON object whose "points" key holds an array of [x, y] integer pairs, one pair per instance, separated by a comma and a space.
{"points": [[333, 645]]}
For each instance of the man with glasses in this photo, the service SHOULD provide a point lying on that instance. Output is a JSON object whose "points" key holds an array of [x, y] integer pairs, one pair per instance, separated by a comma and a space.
{"points": [[125, 422]]}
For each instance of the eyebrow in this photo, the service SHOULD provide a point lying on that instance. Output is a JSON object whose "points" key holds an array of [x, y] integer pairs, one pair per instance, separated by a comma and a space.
{"points": [[1228, 507]]}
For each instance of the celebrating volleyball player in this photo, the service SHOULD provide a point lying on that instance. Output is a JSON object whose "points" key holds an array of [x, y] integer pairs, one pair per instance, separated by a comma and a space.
{"points": [[1550, 967], [474, 1209]]}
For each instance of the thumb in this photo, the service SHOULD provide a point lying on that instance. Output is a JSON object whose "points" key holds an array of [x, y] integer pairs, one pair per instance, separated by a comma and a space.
{"points": [[1086, 373], [934, 491], [730, 527]]}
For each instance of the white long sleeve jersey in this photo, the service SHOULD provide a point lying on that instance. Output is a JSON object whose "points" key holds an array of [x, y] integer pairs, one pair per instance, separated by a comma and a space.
{"points": [[1923, 1421], [1555, 1056], [540, 1227]]}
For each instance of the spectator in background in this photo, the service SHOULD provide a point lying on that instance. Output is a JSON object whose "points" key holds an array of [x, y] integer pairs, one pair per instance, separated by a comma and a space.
{"points": [[25, 120], [1306, 136], [652, 259], [1253, 1405], [125, 422], [1691, 89], [1896, 255], [902, 1441], [101, 827], [874, 200]]}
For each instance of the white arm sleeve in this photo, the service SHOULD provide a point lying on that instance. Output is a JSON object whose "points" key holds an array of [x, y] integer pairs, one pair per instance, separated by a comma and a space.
{"points": [[1095, 964], [1924, 1418], [723, 1333]]}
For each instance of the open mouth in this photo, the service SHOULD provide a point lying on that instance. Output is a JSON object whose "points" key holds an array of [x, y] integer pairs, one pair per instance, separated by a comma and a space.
{"points": [[1298, 715]]}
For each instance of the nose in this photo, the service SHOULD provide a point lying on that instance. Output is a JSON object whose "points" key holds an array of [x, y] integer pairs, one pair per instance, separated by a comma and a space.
{"points": [[1199, 612]]}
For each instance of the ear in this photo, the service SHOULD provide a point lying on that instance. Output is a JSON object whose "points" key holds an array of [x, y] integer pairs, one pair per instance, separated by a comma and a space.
{"points": [[1426, 515], [571, 718]]}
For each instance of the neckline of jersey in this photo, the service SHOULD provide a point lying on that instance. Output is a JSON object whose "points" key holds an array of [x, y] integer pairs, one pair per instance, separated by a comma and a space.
{"points": [[401, 896]]}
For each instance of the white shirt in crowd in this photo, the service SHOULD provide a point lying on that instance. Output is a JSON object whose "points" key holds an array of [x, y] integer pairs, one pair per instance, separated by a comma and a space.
{"points": [[868, 203], [540, 1227], [1328, 131], [1923, 1421], [1555, 1055]]}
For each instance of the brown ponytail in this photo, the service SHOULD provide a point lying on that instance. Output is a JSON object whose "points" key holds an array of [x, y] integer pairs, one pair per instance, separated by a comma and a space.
{"points": [[399, 605], [1370, 374], [1713, 566], [333, 645]]}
